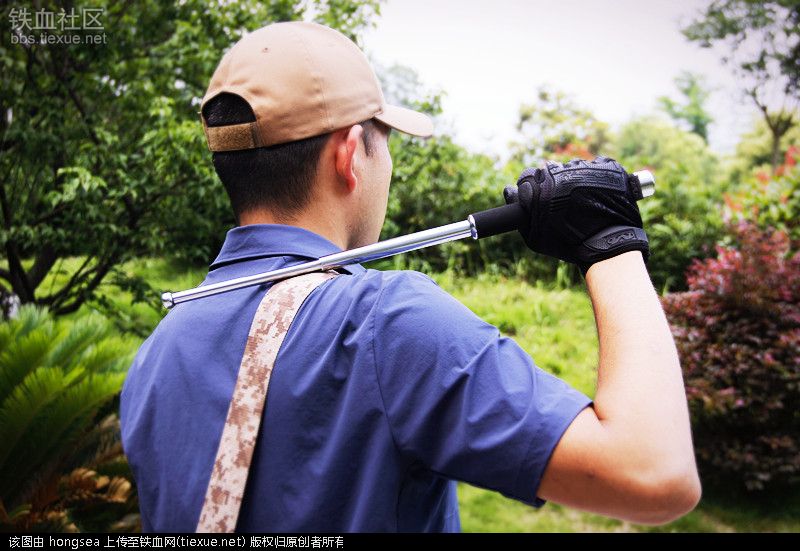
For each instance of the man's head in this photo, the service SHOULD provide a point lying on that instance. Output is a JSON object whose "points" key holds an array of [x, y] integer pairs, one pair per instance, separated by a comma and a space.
{"points": [[299, 129]]}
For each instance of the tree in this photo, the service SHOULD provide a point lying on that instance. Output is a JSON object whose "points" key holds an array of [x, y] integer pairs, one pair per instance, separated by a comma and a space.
{"points": [[764, 43], [556, 127], [682, 219], [692, 110], [754, 152], [103, 157]]}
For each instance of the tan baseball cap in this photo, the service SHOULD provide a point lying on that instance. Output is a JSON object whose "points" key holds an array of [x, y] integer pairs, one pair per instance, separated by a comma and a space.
{"points": [[302, 79]]}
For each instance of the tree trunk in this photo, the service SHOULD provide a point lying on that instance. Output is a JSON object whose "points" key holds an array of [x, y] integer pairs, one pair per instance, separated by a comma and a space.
{"points": [[776, 152]]}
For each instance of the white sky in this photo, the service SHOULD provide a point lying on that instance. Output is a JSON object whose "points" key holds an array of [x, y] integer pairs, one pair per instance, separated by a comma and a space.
{"points": [[614, 57]]}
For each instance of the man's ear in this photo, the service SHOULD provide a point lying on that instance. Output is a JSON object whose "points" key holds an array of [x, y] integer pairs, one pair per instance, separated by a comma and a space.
{"points": [[346, 148]]}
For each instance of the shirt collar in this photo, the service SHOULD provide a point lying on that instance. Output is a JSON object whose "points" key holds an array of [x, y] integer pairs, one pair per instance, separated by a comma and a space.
{"points": [[255, 241]]}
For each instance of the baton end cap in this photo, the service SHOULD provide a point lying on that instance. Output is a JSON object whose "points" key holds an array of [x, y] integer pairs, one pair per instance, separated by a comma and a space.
{"points": [[167, 301], [647, 183]]}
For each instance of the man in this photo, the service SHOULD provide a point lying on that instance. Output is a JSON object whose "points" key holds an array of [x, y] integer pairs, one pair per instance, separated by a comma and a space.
{"points": [[386, 389]]}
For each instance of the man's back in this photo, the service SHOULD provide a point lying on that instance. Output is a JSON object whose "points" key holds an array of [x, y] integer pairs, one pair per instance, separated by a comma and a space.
{"points": [[384, 391]]}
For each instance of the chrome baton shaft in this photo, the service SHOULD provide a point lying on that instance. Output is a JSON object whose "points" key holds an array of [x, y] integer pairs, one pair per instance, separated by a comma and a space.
{"points": [[381, 249]]}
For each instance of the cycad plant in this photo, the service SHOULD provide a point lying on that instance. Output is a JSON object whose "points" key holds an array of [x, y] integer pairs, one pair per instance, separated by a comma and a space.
{"points": [[58, 383]]}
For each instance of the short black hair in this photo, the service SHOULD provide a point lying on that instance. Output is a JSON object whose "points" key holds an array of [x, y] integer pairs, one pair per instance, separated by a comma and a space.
{"points": [[279, 177]]}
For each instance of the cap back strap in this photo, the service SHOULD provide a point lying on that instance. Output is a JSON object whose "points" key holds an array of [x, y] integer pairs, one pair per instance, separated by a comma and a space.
{"points": [[232, 137]]}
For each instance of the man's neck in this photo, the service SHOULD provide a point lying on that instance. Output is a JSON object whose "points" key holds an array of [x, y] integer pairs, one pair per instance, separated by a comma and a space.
{"points": [[321, 225]]}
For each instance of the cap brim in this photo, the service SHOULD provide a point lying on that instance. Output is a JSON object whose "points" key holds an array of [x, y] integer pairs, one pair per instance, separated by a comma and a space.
{"points": [[406, 120]]}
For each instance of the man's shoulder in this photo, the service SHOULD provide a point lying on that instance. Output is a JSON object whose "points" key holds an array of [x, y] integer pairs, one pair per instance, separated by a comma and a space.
{"points": [[403, 278], [408, 287], [415, 304]]}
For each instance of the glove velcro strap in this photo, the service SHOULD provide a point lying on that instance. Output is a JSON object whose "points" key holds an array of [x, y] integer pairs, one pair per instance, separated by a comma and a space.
{"points": [[614, 238], [611, 242]]}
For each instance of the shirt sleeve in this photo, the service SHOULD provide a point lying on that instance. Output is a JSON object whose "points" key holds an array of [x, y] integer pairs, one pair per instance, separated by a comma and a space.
{"points": [[460, 398]]}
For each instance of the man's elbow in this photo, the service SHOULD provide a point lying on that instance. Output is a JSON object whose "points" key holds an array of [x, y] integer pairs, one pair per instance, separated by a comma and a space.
{"points": [[668, 494]]}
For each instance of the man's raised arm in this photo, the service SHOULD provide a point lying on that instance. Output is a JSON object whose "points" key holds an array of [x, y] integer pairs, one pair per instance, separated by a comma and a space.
{"points": [[630, 455]]}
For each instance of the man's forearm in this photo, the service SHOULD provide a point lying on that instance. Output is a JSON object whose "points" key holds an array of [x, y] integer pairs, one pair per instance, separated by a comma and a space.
{"points": [[640, 397]]}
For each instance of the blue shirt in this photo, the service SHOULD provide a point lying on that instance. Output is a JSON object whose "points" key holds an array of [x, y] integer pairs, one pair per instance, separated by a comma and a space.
{"points": [[385, 391]]}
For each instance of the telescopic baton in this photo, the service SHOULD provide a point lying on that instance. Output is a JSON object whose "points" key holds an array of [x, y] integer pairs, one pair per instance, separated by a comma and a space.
{"points": [[478, 225]]}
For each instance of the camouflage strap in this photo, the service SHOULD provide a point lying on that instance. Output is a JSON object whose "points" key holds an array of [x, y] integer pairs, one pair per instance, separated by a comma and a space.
{"points": [[270, 325]]}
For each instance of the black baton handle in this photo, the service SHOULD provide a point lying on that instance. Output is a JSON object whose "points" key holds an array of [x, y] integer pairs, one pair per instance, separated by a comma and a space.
{"points": [[498, 220]]}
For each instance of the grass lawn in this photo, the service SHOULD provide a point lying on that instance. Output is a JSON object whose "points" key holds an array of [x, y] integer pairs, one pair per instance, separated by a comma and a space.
{"points": [[556, 327]]}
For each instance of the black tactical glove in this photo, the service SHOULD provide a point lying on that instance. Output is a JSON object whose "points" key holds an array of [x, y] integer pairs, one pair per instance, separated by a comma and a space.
{"points": [[581, 212]]}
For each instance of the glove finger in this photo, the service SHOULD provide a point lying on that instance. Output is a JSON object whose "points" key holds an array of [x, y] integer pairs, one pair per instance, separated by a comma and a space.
{"points": [[608, 163], [530, 172], [511, 194], [525, 193]]}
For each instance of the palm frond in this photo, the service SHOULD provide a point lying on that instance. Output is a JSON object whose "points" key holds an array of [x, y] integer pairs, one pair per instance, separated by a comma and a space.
{"points": [[22, 357], [25, 404], [61, 425], [74, 340], [58, 388], [7, 333], [99, 446], [107, 356], [30, 318]]}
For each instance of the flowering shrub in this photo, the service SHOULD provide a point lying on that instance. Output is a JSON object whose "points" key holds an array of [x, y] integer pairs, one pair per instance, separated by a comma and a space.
{"points": [[738, 335], [770, 201]]}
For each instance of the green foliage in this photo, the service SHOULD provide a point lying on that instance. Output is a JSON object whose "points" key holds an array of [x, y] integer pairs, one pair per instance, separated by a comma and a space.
{"points": [[103, 153], [770, 203], [348, 16], [58, 381], [778, 206], [682, 219], [555, 127], [436, 182], [692, 110]]}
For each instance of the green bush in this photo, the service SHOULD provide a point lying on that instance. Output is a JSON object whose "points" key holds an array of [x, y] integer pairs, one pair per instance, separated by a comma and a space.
{"points": [[58, 426], [436, 182], [771, 202]]}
